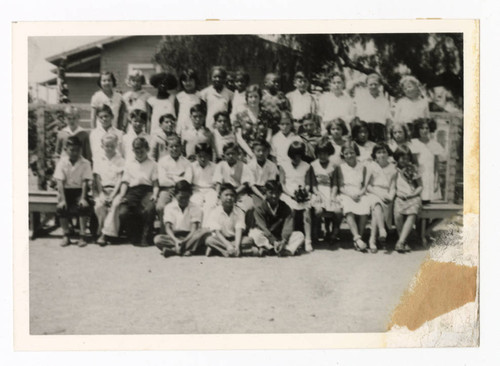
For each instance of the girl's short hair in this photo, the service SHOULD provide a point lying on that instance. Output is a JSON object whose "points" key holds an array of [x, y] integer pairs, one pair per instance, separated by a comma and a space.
{"points": [[349, 145], [338, 122], [197, 108], [253, 89], [357, 128], [402, 150], [227, 187], [140, 142], [230, 146], [273, 185], [168, 116], [71, 110], [221, 69], [221, 113], [183, 186], [73, 141], [404, 127], [187, 75], [106, 73], [135, 75], [296, 148], [242, 75], [104, 108], [110, 137], [261, 142], [340, 75], [203, 148], [418, 123], [162, 77], [324, 145], [173, 139], [287, 114], [139, 113], [380, 146]]}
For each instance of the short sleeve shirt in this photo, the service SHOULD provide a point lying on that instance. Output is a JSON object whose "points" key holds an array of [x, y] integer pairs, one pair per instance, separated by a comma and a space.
{"points": [[140, 173], [301, 104], [237, 174], [261, 174], [181, 220], [216, 102], [226, 224], [99, 99], [171, 171], [109, 170], [202, 177], [73, 175]]}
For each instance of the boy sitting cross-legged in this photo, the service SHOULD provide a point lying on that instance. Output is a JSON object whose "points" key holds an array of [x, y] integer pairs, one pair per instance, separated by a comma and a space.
{"points": [[182, 219]]}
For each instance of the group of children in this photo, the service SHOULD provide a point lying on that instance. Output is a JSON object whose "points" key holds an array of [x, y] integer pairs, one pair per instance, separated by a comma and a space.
{"points": [[249, 172]]}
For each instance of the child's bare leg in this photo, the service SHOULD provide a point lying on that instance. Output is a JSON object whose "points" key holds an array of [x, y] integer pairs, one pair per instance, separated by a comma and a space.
{"points": [[407, 228], [362, 224], [378, 217], [373, 229], [351, 222], [307, 230], [64, 225], [399, 221]]}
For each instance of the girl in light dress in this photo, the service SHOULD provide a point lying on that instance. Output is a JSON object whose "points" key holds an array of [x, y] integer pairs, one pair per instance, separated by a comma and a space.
{"points": [[295, 178], [413, 105], [163, 103], [325, 201], [335, 103], [381, 189], [187, 98], [407, 204], [137, 96], [352, 183], [337, 132], [361, 135], [428, 152], [399, 135], [107, 95]]}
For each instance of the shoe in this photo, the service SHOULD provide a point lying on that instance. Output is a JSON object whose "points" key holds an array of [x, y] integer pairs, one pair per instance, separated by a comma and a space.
{"points": [[360, 245], [407, 248], [102, 241], [285, 253], [65, 241], [82, 242], [187, 253], [308, 246], [399, 247], [373, 246]]}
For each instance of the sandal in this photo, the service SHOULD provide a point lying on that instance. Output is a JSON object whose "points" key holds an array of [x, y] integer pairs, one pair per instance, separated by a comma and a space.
{"points": [[399, 247], [102, 241], [373, 246], [407, 248], [359, 244]]}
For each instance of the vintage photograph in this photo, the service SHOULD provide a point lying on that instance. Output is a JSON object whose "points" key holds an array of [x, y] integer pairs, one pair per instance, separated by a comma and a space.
{"points": [[276, 183]]}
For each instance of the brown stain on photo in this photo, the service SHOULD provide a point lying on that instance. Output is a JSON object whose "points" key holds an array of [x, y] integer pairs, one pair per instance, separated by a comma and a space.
{"points": [[440, 288]]}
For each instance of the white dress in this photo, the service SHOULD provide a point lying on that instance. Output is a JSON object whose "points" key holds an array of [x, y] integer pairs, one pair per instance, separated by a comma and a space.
{"points": [[186, 101], [408, 110], [380, 183], [353, 178], [295, 177], [323, 179], [426, 153], [159, 108]]}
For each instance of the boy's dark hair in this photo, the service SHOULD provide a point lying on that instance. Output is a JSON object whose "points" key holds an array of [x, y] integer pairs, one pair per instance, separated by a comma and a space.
{"points": [[169, 116], [221, 113], [324, 145], [163, 77], [402, 150], [338, 122], [225, 187], [418, 123], [297, 148], [104, 108], [261, 142], [230, 146], [203, 147], [140, 142], [349, 145], [198, 108], [380, 146], [273, 185], [189, 74], [73, 141], [183, 186], [240, 74], [357, 128], [106, 73], [143, 115], [221, 69], [173, 138], [308, 117]]}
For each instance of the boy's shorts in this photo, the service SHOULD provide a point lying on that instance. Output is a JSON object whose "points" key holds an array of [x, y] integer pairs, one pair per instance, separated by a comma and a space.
{"points": [[73, 208]]}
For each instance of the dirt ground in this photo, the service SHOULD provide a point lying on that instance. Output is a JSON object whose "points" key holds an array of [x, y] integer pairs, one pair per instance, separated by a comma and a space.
{"points": [[121, 289]]}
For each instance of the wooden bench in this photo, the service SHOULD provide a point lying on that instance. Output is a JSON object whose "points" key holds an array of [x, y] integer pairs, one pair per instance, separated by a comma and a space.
{"points": [[40, 202], [437, 212]]}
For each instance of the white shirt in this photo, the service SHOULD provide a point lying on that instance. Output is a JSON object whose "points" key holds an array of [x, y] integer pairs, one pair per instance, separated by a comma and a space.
{"points": [[409, 110], [261, 174], [73, 175], [109, 170], [280, 144], [237, 175], [202, 177], [128, 140], [171, 171], [301, 104], [220, 141], [216, 102], [99, 99], [140, 173], [186, 101], [159, 108], [181, 220], [331, 107], [226, 224], [96, 136], [370, 109]]}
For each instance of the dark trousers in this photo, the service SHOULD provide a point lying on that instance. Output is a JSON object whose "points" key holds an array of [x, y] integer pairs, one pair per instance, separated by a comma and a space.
{"points": [[137, 213]]}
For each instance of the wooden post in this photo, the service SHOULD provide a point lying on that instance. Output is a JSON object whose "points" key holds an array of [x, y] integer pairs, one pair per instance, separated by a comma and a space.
{"points": [[40, 124]]}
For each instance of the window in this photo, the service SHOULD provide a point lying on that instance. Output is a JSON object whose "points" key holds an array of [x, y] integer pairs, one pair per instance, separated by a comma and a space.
{"points": [[147, 69]]}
